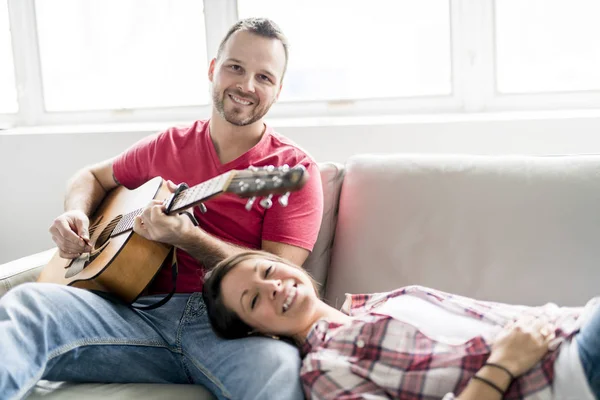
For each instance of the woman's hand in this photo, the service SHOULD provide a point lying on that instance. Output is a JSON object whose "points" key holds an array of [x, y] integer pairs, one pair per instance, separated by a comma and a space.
{"points": [[522, 344]]}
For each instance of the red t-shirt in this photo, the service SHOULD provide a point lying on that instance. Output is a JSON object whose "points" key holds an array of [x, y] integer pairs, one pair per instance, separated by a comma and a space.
{"points": [[187, 155]]}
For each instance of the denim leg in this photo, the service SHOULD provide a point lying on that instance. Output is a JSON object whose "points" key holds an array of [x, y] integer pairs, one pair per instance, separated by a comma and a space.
{"points": [[62, 333], [250, 368], [588, 342]]}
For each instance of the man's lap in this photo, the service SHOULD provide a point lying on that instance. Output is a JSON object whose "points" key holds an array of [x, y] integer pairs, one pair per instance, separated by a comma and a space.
{"points": [[173, 343]]}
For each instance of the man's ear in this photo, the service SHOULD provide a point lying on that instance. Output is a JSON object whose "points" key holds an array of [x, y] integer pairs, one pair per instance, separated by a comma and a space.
{"points": [[211, 69]]}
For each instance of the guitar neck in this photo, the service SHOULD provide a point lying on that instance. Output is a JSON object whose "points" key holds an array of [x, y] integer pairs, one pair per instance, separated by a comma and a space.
{"points": [[185, 199]]}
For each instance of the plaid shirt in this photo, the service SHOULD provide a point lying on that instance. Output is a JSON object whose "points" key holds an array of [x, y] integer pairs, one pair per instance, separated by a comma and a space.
{"points": [[377, 356]]}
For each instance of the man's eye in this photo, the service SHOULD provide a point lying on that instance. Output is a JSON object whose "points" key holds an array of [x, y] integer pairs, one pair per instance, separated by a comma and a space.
{"points": [[265, 78], [235, 67], [268, 271], [253, 303]]}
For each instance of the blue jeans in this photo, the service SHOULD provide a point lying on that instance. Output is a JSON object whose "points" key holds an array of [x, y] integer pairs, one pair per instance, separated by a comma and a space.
{"points": [[588, 342], [61, 333]]}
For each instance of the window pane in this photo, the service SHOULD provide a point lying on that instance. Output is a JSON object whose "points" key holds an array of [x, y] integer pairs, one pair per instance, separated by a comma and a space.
{"points": [[113, 54], [351, 49], [8, 92], [547, 45]]}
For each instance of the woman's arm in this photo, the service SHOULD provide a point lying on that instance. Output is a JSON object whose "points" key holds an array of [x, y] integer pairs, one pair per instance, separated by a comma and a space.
{"points": [[515, 351]]}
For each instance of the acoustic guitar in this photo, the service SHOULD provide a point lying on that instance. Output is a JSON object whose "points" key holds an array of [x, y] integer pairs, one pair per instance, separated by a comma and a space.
{"points": [[124, 263]]}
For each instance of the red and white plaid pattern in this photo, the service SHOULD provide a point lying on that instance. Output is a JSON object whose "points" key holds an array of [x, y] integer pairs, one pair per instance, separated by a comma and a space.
{"points": [[377, 356]]}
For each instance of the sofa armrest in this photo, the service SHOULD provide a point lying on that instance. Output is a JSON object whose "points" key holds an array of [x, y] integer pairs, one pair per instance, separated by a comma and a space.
{"points": [[23, 270]]}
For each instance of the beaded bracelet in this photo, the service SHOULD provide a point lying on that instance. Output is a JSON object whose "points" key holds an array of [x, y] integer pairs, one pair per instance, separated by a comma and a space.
{"points": [[489, 383]]}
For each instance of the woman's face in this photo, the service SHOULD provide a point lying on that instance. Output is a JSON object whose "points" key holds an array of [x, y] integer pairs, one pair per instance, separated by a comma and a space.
{"points": [[271, 297]]}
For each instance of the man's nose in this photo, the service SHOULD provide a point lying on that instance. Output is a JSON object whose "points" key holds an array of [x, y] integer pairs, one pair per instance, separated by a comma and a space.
{"points": [[246, 85]]}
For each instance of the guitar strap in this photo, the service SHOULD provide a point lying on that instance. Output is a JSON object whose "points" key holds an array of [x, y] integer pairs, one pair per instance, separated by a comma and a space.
{"points": [[175, 271]]}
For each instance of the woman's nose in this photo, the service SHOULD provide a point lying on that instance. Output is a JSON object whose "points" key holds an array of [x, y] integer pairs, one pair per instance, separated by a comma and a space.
{"points": [[272, 287]]}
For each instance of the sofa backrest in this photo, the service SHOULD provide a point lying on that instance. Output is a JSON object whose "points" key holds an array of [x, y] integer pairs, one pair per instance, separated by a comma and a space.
{"points": [[503, 228], [318, 261]]}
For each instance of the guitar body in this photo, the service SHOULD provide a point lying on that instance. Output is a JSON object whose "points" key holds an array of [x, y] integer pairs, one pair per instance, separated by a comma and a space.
{"points": [[123, 264]]}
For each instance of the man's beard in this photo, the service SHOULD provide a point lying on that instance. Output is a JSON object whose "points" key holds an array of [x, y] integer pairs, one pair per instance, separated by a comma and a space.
{"points": [[234, 118]]}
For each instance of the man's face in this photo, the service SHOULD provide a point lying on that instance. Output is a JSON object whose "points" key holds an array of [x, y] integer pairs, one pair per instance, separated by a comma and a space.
{"points": [[247, 77]]}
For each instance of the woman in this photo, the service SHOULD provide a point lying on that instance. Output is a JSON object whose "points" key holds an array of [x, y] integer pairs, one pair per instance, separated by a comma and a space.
{"points": [[411, 343]]}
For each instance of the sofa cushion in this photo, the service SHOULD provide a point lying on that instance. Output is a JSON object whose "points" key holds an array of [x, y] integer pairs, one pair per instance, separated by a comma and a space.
{"points": [[46, 390], [317, 262], [504, 228], [23, 270]]}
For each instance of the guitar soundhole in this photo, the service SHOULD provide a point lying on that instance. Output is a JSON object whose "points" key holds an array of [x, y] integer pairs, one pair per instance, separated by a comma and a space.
{"points": [[105, 235], [78, 264]]}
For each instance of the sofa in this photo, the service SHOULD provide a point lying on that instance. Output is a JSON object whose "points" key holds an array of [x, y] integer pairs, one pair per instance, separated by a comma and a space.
{"points": [[519, 229]]}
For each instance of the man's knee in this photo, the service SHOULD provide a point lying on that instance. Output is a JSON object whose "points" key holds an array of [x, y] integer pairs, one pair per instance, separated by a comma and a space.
{"points": [[32, 299]]}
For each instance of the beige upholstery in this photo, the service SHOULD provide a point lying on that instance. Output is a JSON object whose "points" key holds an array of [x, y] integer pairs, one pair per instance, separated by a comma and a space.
{"points": [[23, 270], [332, 175], [514, 229]]}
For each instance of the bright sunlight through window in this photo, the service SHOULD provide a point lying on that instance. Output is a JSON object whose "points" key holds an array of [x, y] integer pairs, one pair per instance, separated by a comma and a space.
{"points": [[120, 54], [8, 93], [547, 45], [355, 49]]}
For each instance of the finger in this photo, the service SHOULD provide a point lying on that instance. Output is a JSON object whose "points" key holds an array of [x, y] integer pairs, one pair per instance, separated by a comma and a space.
{"points": [[72, 240], [172, 186], [74, 247], [82, 229], [138, 225]]}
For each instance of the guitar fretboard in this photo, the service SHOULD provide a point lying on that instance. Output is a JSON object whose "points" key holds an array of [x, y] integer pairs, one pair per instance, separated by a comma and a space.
{"points": [[185, 199]]}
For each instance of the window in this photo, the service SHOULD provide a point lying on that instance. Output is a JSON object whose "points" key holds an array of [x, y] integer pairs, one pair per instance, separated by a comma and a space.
{"points": [[547, 45], [118, 61], [356, 49], [8, 93], [120, 54]]}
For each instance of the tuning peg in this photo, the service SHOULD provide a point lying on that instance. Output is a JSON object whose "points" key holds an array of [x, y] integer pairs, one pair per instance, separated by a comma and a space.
{"points": [[259, 184], [202, 208], [269, 168], [243, 186], [284, 199], [284, 168], [276, 181], [250, 203], [267, 203]]}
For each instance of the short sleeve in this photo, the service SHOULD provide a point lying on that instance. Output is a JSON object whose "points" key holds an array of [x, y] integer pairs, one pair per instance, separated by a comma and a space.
{"points": [[132, 168]]}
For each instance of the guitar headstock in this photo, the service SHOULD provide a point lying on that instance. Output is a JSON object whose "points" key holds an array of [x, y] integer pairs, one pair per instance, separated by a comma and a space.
{"points": [[266, 181]]}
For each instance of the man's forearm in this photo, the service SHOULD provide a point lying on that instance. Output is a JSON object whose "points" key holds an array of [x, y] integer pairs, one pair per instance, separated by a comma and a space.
{"points": [[206, 248], [84, 193]]}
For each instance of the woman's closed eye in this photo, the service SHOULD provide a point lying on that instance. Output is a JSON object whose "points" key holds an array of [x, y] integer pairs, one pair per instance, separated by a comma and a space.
{"points": [[268, 271], [255, 298]]}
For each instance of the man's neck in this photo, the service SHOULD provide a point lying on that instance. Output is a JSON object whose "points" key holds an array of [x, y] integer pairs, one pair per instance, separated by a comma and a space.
{"points": [[232, 141]]}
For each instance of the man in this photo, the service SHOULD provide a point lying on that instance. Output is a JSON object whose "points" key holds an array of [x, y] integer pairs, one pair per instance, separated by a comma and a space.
{"points": [[62, 333]]}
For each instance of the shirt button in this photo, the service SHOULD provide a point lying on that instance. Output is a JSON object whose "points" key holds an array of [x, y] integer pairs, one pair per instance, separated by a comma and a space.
{"points": [[360, 343]]}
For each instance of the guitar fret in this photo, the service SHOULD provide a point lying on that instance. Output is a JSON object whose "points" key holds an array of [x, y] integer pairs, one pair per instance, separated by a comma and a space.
{"points": [[201, 191], [127, 221]]}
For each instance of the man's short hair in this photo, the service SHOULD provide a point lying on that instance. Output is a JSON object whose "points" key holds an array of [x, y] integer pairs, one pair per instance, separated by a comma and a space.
{"points": [[259, 26]]}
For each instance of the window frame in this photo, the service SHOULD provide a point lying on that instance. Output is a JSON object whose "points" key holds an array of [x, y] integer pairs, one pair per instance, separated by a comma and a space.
{"points": [[473, 77]]}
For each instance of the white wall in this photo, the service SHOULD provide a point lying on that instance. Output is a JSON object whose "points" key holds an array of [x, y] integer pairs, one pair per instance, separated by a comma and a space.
{"points": [[34, 167]]}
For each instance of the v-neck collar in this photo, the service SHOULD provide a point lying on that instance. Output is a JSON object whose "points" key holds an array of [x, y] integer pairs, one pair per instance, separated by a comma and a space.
{"points": [[242, 159]]}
